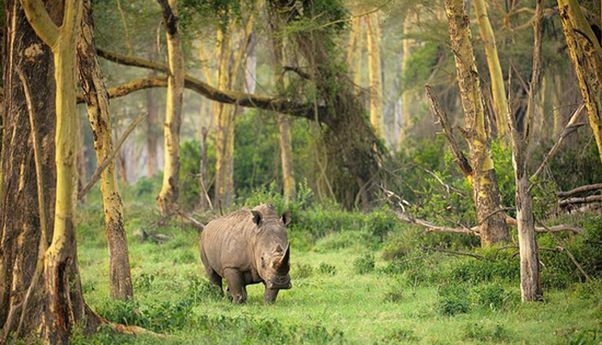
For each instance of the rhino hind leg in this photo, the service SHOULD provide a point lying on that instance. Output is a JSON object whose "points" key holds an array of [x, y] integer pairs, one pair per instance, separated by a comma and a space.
{"points": [[236, 285], [215, 279]]}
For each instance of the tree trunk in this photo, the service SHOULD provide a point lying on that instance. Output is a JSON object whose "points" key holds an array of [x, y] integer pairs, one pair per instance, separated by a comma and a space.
{"points": [[168, 195], [586, 54], [500, 102], [64, 304], [354, 152], [95, 92], [284, 139], [406, 95], [375, 74], [152, 123], [493, 228]]}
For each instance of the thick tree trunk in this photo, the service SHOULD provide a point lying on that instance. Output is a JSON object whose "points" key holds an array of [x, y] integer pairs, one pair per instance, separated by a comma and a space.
{"points": [[64, 305], [375, 74], [95, 92], [493, 228], [168, 195], [500, 101], [586, 55], [20, 231]]}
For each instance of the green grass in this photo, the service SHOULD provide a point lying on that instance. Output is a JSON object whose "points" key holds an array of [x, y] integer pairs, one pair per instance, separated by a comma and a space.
{"points": [[332, 300]]}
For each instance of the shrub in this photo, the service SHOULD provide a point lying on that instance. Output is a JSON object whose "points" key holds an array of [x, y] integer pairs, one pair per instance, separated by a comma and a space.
{"points": [[364, 264], [453, 299]]}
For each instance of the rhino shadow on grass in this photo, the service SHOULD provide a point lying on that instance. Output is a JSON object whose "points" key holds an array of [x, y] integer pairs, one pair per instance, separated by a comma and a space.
{"points": [[248, 247]]}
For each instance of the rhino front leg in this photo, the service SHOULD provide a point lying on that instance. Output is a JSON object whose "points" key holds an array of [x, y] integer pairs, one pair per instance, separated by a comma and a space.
{"points": [[236, 285], [269, 296]]}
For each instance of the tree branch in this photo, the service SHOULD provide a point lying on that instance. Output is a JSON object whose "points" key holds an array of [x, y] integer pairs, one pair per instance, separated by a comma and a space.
{"points": [[110, 157], [280, 105], [581, 189], [41, 22], [441, 117]]}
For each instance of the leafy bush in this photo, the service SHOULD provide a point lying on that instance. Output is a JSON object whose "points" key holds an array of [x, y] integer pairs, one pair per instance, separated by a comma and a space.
{"points": [[499, 265], [453, 299], [364, 264]]}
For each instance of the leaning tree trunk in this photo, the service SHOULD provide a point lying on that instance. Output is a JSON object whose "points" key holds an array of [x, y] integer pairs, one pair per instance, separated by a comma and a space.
{"points": [[500, 102], [586, 55], [168, 196], [152, 124], [493, 228], [95, 94]]}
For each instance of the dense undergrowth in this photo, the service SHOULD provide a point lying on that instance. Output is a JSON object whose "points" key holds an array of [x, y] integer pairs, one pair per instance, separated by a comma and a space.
{"points": [[357, 278]]}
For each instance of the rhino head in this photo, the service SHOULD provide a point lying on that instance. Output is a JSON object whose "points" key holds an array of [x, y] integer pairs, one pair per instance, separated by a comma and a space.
{"points": [[272, 250]]}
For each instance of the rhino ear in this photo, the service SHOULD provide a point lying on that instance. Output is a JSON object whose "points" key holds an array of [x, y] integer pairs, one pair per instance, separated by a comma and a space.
{"points": [[286, 218], [257, 217]]}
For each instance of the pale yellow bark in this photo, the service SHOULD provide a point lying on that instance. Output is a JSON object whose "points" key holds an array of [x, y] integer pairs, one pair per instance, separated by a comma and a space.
{"points": [[586, 55], [168, 195], [406, 96], [500, 101], [374, 74], [62, 43]]}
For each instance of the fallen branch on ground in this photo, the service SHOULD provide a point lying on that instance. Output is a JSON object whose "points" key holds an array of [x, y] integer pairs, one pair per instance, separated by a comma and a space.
{"points": [[200, 226], [580, 200]]}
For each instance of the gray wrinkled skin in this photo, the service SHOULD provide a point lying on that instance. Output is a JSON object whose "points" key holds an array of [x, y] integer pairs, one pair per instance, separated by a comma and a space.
{"points": [[248, 247]]}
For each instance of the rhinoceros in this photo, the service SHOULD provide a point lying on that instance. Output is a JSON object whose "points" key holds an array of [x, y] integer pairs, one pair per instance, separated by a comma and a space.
{"points": [[248, 247]]}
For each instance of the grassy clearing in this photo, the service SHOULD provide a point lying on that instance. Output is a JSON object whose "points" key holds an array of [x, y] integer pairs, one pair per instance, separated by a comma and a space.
{"points": [[343, 292]]}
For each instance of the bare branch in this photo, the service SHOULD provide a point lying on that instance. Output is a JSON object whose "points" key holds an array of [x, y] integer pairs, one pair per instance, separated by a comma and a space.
{"points": [[110, 157], [581, 189], [40, 21], [581, 200]]}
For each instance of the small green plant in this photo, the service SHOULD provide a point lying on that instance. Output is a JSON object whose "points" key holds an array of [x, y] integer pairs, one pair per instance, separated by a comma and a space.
{"points": [[144, 281], [453, 299], [364, 264], [328, 269], [584, 337], [486, 332], [399, 336], [302, 271], [493, 296]]}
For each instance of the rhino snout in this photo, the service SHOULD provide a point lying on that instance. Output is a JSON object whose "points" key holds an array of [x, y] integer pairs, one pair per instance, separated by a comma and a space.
{"points": [[279, 283]]}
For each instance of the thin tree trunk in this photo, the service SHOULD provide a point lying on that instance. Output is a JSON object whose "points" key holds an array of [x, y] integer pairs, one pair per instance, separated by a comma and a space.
{"points": [[375, 74], [95, 92], [152, 124], [586, 54], [284, 139], [493, 228], [500, 101], [406, 95], [168, 195]]}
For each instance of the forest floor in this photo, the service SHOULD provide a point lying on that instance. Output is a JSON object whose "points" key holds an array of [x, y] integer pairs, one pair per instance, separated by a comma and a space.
{"points": [[338, 296]]}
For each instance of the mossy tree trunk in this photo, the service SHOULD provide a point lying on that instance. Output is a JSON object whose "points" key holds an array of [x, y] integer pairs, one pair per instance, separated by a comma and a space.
{"points": [[168, 196], [97, 101], [586, 54], [493, 228]]}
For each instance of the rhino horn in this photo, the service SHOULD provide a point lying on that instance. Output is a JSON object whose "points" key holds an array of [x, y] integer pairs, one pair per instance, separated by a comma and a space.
{"points": [[283, 265]]}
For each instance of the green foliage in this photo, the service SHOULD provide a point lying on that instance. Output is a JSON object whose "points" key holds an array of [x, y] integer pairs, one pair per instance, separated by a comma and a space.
{"points": [[327, 269], [421, 65], [301, 271], [493, 297], [584, 337], [453, 299], [364, 264], [190, 158], [399, 336], [487, 332], [500, 265]]}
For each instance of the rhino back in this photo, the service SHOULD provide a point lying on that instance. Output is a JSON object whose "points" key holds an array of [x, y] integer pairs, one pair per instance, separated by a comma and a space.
{"points": [[227, 242]]}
